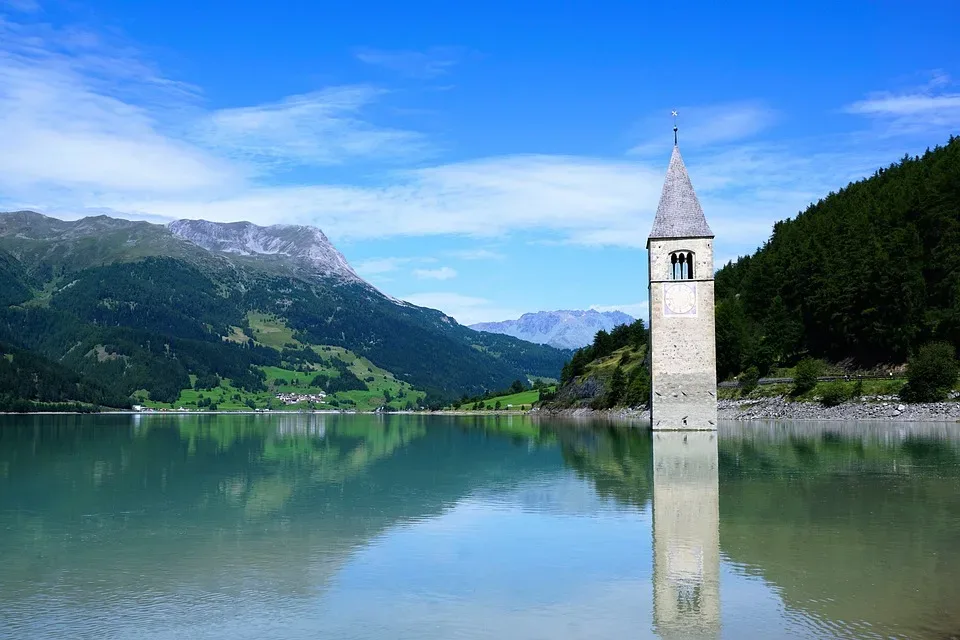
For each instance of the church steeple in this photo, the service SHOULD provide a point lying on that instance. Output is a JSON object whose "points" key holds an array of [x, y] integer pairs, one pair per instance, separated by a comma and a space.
{"points": [[679, 214], [683, 354]]}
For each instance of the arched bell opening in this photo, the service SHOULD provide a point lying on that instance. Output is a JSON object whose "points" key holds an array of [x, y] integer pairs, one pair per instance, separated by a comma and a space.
{"points": [[681, 265]]}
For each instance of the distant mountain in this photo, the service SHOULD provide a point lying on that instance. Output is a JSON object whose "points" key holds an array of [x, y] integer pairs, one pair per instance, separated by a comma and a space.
{"points": [[560, 329], [146, 309]]}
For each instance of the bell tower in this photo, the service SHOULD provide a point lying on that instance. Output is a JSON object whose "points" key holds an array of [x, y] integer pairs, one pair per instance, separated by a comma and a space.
{"points": [[683, 352]]}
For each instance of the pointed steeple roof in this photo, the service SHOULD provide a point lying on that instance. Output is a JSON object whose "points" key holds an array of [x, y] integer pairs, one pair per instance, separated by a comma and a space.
{"points": [[679, 214]]}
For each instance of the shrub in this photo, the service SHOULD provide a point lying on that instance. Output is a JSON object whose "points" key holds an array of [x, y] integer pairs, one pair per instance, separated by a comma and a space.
{"points": [[618, 387], [749, 380], [638, 387], [931, 373], [805, 375], [858, 388], [834, 393]]}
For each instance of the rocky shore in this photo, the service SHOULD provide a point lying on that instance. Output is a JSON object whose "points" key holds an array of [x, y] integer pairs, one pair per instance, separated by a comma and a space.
{"points": [[866, 408], [889, 408]]}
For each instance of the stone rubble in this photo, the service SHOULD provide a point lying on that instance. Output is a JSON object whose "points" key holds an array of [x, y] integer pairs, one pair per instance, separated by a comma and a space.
{"points": [[864, 408], [889, 408]]}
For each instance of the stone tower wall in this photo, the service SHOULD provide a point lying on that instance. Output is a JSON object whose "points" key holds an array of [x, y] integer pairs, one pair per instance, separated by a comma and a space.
{"points": [[683, 349]]}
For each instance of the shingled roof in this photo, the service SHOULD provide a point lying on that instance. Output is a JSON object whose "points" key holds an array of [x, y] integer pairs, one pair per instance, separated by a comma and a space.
{"points": [[679, 214]]}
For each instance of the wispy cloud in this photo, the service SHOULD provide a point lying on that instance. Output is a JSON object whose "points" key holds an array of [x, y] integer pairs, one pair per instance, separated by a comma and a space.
{"points": [[86, 124], [927, 107], [379, 266], [465, 309], [66, 122], [86, 121], [568, 200], [323, 127], [24, 6], [483, 198], [477, 254], [704, 126], [431, 63], [442, 273]]}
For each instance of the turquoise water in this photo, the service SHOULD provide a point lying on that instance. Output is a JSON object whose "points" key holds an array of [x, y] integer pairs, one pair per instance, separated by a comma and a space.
{"points": [[328, 526]]}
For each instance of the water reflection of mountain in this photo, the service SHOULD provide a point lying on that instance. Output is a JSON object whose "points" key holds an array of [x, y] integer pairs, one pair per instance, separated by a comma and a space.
{"points": [[847, 523], [616, 459], [211, 496]]}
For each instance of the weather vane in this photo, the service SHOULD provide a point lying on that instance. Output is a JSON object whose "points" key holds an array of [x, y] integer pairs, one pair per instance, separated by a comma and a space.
{"points": [[674, 114]]}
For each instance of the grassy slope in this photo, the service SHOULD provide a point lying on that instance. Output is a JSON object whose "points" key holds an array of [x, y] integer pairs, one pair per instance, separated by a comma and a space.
{"points": [[870, 388], [603, 368], [518, 400], [629, 358], [522, 400], [272, 332]]}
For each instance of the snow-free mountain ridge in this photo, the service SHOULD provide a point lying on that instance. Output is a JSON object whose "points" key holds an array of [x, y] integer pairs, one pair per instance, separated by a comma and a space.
{"points": [[565, 329], [170, 304], [245, 238]]}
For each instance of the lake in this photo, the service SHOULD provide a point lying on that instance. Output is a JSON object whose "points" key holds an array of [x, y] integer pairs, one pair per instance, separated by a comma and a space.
{"points": [[366, 526]]}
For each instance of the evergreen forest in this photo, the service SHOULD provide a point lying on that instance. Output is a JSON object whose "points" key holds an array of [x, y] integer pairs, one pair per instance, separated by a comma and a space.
{"points": [[865, 276]]}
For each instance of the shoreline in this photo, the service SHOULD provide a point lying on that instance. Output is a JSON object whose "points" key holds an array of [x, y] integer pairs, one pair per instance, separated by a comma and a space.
{"points": [[878, 409]]}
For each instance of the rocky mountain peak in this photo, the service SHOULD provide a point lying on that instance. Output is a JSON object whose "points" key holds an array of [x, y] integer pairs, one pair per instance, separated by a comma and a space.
{"points": [[305, 243], [564, 329]]}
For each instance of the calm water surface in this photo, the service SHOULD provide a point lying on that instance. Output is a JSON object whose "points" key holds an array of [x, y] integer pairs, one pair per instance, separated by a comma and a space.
{"points": [[440, 527]]}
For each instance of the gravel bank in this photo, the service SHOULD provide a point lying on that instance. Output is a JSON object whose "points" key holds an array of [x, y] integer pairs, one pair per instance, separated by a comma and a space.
{"points": [[867, 408], [780, 408]]}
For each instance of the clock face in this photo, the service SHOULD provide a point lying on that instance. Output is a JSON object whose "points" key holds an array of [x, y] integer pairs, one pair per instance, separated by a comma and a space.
{"points": [[679, 299]]}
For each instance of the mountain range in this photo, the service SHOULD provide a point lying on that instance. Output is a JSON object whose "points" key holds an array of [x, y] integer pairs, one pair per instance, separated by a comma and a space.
{"points": [[560, 329], [146, 309]]}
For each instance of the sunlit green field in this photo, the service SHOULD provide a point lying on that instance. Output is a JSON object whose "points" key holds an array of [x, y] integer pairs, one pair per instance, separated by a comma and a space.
{"points": [[383, 389]]}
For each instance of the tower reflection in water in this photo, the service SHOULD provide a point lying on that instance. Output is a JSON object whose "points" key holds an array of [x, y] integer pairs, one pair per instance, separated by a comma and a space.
{"points": [[686, 536]]}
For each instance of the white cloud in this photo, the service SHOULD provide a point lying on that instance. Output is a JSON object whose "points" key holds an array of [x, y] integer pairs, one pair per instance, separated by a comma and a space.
{"points": [[906, 104], [25, 6], [443, 273], [65, 126], [703, 126], [484, 198], [465, 309], [85, 125], [431, 63], [323, 127], [634, 309], [929, 107], [379, 266], [477, 254]]}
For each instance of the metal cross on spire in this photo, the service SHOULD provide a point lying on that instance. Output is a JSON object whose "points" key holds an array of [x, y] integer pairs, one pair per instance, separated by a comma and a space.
{"points": [[674, 114]]}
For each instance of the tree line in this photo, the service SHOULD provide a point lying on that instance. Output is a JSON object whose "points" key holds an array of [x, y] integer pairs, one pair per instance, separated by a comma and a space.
{"points": [[868, 274], [605, 343]]}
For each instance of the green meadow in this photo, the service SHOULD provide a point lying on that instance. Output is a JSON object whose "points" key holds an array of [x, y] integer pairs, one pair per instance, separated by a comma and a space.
{"points": [[383, 389]]}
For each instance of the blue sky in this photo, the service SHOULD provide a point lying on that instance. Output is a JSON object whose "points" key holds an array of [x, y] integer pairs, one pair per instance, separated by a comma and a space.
{"points": [[486, 159]]}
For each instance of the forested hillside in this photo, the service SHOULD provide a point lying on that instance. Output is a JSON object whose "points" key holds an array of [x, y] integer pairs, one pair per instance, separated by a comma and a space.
{"points": [[29, 382], [865, 277], [611, 372], [867, 274], [132, 308]]}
